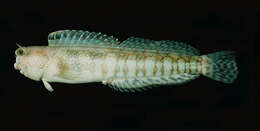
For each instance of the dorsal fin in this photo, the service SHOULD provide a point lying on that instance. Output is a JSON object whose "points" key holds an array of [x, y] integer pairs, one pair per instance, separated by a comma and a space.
{"points": [[160, 46], [90, 39], [80, 38]]}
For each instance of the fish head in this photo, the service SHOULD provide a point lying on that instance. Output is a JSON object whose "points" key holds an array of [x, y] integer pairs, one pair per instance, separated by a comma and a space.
{"points": [[31, 61]]}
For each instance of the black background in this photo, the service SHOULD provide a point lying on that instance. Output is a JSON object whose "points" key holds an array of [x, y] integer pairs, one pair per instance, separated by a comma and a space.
{"points": [[201, 104]]}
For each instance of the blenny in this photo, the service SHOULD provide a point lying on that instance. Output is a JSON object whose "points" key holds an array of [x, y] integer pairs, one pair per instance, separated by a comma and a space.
{"points": [[135, 64]]}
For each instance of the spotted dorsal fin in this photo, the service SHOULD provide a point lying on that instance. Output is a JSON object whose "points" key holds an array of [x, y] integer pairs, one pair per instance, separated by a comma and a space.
{"points": [[80, 38], [165, 46], [92, 39]]}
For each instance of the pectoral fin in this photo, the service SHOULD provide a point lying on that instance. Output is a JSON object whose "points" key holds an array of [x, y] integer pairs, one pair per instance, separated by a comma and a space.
{"points": [[47, 85]]}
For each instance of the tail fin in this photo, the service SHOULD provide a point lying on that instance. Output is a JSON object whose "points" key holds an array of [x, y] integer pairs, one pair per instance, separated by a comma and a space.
{"points": [[223, 67]]}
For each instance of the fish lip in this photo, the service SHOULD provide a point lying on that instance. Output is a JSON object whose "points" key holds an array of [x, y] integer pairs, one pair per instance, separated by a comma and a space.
{"points": [[15, 66], [18, 68]]}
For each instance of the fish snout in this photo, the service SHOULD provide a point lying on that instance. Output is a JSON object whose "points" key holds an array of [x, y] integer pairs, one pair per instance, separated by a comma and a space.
{"points": [[16, 66]]}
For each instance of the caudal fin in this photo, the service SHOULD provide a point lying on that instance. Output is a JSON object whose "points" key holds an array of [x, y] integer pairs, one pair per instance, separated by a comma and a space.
{"points": [[223, 66]]}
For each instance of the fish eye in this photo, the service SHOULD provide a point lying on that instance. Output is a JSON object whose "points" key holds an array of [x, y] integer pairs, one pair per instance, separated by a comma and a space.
{"points": [[20, 52]]}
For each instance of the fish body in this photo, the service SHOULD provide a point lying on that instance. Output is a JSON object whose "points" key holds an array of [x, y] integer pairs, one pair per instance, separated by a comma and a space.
{"points": [[133, 65]]}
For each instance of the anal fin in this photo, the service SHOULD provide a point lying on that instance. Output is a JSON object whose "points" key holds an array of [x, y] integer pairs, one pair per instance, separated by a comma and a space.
{"points": [[142, 84]]}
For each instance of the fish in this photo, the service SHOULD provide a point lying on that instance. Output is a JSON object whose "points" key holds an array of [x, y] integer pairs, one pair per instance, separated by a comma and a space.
{"points": [[134, 65]]}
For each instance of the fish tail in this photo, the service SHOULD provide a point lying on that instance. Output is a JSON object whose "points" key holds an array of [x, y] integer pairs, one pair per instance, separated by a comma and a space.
{"points": [[222, 66]]}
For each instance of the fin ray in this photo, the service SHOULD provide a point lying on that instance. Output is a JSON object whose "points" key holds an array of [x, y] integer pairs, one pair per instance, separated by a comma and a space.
{"points": [[90, 39], [160, 46], [223, 67], [142, 84], [81, 38]]}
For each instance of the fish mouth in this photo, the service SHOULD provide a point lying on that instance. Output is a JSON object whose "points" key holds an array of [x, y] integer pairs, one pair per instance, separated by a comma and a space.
{"points": [[15, 66], [22, 70]]}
